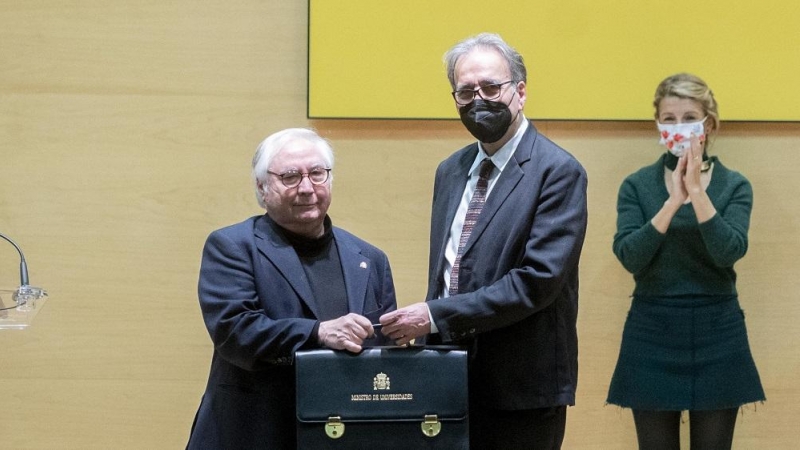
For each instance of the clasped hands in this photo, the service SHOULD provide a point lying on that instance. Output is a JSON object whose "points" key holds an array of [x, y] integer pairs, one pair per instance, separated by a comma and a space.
{"points": [[349, 332], [686, 176]]}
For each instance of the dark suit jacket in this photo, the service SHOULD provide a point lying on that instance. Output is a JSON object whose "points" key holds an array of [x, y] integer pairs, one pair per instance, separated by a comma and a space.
{"points": [[259, 310], [518, 282]]}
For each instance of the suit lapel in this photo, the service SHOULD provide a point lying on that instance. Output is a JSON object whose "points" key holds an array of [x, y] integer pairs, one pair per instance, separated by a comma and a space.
{"points": [[453, 183], [509, 179], [356, 270], [272, 246]]}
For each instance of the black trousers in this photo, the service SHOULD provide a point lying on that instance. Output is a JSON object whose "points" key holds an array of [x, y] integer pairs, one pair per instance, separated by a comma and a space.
{"points": [[528, 429]]}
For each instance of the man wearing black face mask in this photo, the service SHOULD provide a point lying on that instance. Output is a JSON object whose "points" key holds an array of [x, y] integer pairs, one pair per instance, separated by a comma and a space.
{"points": [[504, 250]]}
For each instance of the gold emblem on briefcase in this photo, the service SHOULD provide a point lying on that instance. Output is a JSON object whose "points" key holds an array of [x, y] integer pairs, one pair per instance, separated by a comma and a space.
{"points": [[381, 382]]}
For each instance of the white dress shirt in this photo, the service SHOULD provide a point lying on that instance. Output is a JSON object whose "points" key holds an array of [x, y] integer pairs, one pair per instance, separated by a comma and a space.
{"points": [[499, 159]]}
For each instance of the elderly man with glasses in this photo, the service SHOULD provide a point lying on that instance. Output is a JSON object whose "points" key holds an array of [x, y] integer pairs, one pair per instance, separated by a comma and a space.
{"points": [[507, 227], [277, 283]]}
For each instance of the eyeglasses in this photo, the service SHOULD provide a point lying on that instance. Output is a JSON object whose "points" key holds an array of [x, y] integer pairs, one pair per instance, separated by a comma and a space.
{"points": [[293, 178], [486, 92]]}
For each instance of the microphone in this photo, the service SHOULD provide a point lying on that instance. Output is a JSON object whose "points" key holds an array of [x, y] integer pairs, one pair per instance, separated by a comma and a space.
{"points": [[25, 292]]}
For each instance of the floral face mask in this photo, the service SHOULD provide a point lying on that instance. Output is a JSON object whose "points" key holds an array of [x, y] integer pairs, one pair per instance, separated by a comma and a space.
{"points": [[675, 136]]}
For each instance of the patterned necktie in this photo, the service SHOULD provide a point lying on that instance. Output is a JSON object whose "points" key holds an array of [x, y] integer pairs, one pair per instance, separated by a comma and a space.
{"points": [[473, 211]]}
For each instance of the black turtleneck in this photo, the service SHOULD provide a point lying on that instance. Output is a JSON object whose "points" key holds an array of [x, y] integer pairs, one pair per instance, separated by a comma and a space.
{"points": [[323, 268]]}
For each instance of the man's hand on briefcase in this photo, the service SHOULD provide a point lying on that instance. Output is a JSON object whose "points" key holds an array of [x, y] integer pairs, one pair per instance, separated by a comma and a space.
{"points": [[405, 324], [345, 333]]}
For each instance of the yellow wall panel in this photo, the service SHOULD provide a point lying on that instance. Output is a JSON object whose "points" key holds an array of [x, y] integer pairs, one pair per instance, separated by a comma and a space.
{"points": [[586, 59]]}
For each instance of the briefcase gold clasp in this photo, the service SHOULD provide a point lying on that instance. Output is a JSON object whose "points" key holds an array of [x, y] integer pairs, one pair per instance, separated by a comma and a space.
{"points": [[431, 425], [334, 428]]}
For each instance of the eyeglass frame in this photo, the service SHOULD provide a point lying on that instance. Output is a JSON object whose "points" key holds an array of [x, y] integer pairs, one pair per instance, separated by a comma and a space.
{"points": [[302, 175], [478, 92]]}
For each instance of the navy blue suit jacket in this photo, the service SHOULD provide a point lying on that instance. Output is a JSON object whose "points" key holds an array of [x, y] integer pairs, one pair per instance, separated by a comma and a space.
{"points": [[518, 282], [259, 310]]}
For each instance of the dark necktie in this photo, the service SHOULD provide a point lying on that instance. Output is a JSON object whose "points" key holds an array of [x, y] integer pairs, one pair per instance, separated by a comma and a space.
{"points": [[473, 211]]}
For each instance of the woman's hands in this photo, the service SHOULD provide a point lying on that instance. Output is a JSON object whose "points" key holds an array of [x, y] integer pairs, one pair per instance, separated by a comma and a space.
{"points": [[693, 165], [686, 176], [686, 184]]}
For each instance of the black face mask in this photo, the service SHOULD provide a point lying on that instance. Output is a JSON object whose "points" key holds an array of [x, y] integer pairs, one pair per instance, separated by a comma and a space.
{"points": [[488, 121]]}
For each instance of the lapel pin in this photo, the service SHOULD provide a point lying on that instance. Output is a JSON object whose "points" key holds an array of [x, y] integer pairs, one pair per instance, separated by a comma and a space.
{"points": [[363, 265]]}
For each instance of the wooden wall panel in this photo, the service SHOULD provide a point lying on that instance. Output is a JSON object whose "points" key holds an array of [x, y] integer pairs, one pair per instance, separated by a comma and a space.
{"points": [[126, 133]]}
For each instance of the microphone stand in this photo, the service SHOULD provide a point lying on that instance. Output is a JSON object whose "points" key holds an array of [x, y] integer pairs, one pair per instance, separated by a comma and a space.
{"points": [[26, 295]]}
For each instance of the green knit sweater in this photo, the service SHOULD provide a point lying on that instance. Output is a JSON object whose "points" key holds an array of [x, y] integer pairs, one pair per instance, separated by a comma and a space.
{"points": [[691, 258]]}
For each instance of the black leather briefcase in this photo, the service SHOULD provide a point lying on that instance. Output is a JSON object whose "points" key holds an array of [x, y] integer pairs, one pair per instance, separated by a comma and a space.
{"points": [[382, 398]]}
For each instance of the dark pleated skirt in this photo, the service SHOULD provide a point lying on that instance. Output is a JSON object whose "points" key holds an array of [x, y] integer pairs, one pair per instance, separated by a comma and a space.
{"points": [[685, 354]]}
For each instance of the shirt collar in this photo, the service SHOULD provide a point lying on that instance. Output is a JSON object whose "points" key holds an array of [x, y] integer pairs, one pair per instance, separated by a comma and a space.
{"points": [[502, 156]]}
